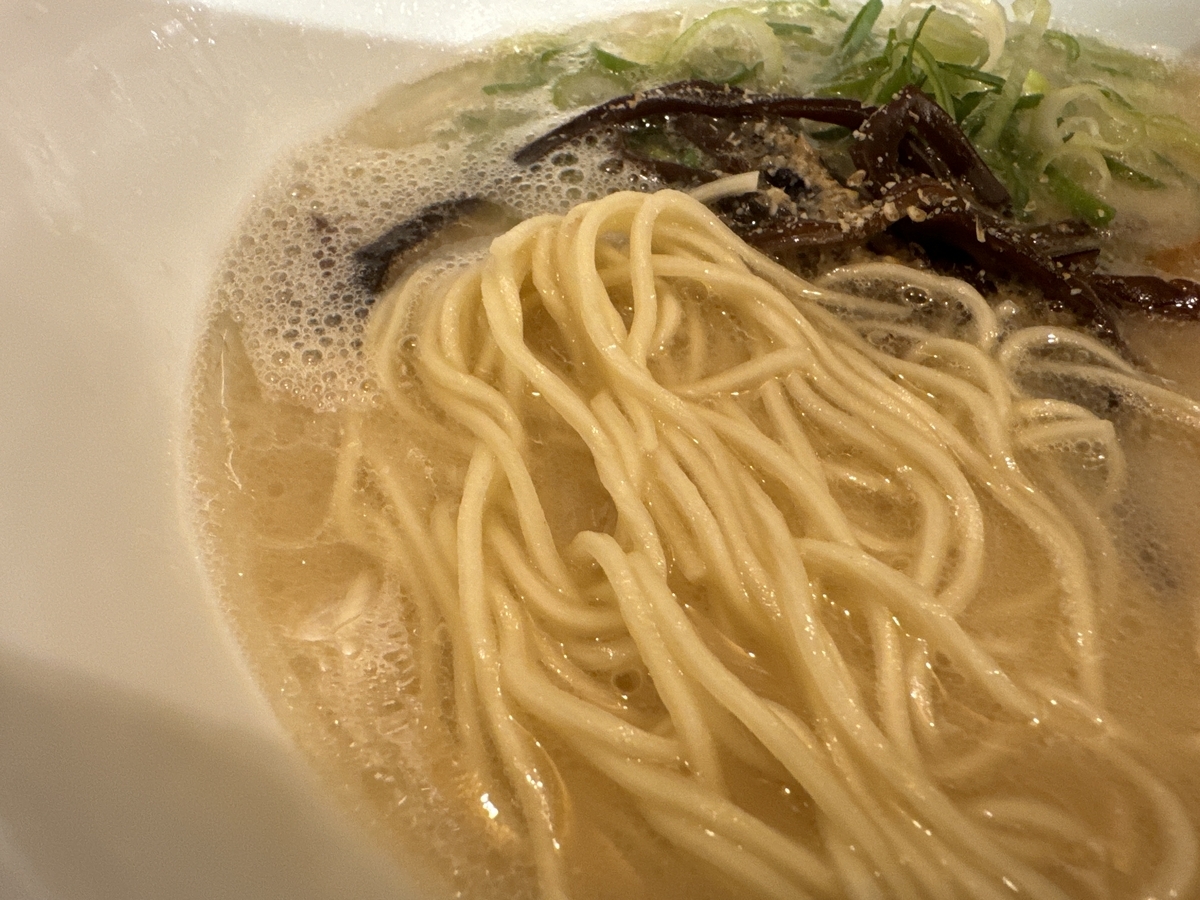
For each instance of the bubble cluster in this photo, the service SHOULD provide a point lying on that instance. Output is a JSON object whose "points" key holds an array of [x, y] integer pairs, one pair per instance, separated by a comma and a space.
{"points": [[290, 278]]}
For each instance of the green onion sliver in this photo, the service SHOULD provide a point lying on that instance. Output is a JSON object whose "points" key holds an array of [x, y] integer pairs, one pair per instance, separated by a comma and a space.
{"points": [[860, 28], [1079, 199]]}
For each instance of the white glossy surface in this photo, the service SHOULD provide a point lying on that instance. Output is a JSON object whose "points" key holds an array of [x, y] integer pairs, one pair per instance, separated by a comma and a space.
{"points": [[137, 759], [1170, 23]]}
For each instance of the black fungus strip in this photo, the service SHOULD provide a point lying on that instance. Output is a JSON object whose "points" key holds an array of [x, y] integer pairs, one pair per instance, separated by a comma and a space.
{"points": [[935, 215], [915, 156], [784, 236], [943, 147], [375, 258], [698, 97], [924, 195], [673, 173], [995, 246], [953, 206], [1078, 262], [1070, 238], [1175, 299]]}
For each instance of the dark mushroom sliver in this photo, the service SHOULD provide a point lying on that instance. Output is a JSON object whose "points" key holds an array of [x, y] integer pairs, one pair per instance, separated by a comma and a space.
{"points": [[699, 97], [1175, 299], [995, 246], [1065, 238], [376, 258], [929, 186], [946, 149], [936, 215]]}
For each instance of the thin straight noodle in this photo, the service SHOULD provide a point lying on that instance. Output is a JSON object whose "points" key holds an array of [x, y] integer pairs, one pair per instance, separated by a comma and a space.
{"points": [[730, 516], [856, 878], [791, 435], [674, 792], [890, 693], [668, 788], [669, 319], [469, 723], [980, 369], [529, 686], [939, 627], [480, 631], [800, 759], [703, 526], [751, 374], [545, 281], [674, 690], [934, 285], [812, 646], [575, 680], [697, 345], [1113, 371], [502, 301], [623, 435], [727, 855], [506, 444], [644, 426], [987, 420], [809, 493], [934, 540], [676, 530], [574, 617], [642, 282], [920, 849], [414, 569]]}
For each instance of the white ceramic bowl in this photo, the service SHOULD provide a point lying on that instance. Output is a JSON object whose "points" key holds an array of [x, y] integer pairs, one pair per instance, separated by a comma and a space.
{"points": [[137, 758]]}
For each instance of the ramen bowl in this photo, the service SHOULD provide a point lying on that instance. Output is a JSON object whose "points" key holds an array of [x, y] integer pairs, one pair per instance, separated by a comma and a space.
{"points": [[138, 758]]}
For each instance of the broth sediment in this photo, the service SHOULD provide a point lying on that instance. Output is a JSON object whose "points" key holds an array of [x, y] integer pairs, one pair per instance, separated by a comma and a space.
{"points": [[334, 635]]}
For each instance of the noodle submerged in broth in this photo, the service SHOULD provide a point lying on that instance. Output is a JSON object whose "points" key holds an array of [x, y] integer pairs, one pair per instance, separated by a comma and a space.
{"points": [[601, 555]]}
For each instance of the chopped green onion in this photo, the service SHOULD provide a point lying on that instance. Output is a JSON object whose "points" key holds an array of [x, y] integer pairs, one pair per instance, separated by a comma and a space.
{"points": [[611, 61], [965, 104], [973, 73], [1001, 111], [725, 43], [1173, 134], [858, 80], [1079, 199], [860, 28], [587, 88], [1185, 177], [902, 76], [1131, 175], [832, 133], [1113, 96], [913, 41], [1028, 101], [744, 73], [1064, 42], [941, 93], [789, 29], [1123, 63]]}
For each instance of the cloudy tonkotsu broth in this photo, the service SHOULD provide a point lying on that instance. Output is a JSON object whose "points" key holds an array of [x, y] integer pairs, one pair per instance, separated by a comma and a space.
{"points": [[365, 671]]}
